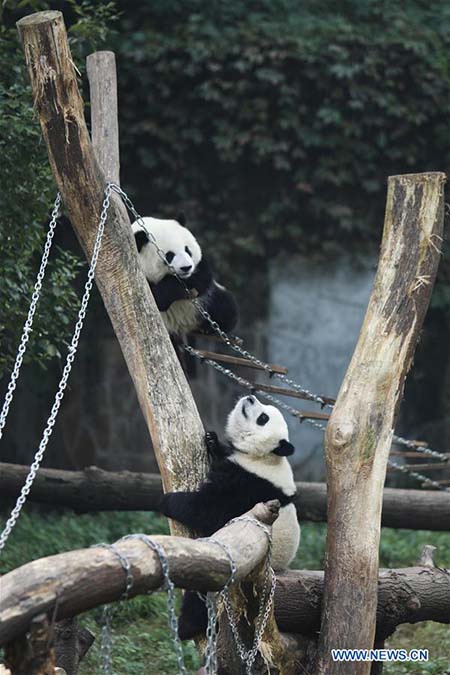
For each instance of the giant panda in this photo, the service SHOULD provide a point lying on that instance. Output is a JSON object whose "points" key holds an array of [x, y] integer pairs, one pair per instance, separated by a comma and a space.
{"points": [[251, 467], [183, 258]]}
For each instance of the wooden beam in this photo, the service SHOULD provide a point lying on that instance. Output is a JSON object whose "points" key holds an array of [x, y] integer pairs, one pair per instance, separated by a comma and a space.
{"points": [[237, 361], [359, 433], [70, 583], [94, 489], [164, 395], [101, 70]]}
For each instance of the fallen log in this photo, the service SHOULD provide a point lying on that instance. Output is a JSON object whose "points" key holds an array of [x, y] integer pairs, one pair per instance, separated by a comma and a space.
{"points": [[67, 584], [94, 489], [407, 595]]}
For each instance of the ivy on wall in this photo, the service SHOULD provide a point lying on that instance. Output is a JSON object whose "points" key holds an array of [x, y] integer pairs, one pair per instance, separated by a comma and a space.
{"points": [[274, 125]]}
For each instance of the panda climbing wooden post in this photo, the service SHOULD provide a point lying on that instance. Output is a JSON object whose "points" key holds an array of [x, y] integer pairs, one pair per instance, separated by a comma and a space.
{"points": [[163, 392], [359, 433]]}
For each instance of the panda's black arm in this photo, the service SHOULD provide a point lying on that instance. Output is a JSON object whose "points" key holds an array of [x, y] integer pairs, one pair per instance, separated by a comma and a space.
{"points": [[167, 291], [193, 509], [202, 278]]}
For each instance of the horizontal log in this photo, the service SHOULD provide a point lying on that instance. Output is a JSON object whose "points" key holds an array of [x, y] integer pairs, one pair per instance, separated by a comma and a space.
{"points": [[407, 595], [67, 584], [97, 490]]}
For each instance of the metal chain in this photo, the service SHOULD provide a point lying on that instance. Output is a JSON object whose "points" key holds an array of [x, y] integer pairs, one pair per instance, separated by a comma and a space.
{"points": [[106, 644], [28, 325], [63, 382], [265, 366], [265, 604], [170, 588], [309, 395], [418, 448], [247, 656], [251, 386], [420, 477]]}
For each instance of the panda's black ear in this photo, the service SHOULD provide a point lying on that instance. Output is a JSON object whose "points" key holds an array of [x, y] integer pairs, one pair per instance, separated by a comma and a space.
{"points": [[181, 218], [284, 449]]}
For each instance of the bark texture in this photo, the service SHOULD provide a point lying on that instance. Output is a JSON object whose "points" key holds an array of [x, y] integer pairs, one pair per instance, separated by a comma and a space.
{"points": [[359, 432], [164, 395], [101, 70], [406, 595], [94, 489], [67, 584]]}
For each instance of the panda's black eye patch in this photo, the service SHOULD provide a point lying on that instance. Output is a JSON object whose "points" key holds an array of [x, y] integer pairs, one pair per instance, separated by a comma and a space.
{"points": [[188, 250], [170, 255], [262, 419]]}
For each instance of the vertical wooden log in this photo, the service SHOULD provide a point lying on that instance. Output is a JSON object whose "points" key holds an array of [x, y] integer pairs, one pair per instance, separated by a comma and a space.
{"points": [[360, 429], [163, 392], [101, 70]]}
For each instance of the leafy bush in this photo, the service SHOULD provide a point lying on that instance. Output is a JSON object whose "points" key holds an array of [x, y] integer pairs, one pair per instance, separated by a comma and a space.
{"points": [[275, 124], [27, 193]]}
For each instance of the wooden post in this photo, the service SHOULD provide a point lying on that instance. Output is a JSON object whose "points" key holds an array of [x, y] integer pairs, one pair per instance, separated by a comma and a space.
{"points": [[101, 70], [164, 395], [359, 432]]}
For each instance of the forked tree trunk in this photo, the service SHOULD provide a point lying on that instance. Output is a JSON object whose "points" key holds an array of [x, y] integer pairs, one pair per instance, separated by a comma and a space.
{"points": [[359, 433], [164, 395]]}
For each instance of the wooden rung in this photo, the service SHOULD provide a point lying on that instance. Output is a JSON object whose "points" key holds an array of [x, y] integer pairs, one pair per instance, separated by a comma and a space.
{"points": [[311, 415], [414, 454], [237, 361], [424, 467], [281, 391]]}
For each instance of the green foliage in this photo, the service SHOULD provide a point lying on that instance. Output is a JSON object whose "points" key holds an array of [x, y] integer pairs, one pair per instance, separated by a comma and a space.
{"points": [[27, 193], [275, 124], [142, 642]]}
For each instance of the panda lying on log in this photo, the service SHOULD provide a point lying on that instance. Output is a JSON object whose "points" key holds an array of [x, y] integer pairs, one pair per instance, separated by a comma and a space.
{"points": [[251, 468], [183, 256]]}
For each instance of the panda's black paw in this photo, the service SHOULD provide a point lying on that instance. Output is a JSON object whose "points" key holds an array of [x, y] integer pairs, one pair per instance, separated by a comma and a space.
{"points": [[212, 444]]}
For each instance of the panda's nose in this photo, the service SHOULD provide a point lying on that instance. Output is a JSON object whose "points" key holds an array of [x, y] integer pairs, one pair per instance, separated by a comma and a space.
{"points": [[250, 399], [186, 268]]}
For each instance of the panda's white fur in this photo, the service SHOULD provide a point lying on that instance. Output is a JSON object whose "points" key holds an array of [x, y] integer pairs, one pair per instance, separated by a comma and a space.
{"points": [[180, 255], [254, 445], [169, 235]]}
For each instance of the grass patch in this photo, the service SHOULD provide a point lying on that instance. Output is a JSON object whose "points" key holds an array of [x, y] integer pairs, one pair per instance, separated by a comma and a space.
{"points": [[141, 637]]}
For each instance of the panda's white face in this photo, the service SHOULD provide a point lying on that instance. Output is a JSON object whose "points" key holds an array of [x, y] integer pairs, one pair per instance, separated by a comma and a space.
{"points": [[178, 244], [258, 429]]}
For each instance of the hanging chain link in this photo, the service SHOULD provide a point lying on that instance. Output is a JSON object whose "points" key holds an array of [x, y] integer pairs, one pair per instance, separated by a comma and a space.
{"points": [[106, 644], [235, 346], [169, 587], [65, 376], [247, 656], [28, 325]]}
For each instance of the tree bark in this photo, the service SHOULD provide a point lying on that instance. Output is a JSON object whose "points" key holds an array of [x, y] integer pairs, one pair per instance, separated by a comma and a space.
{"points": [[359, 433], [406, 595], [67, 584], [164, 395], [94, 489], [101, 70]]}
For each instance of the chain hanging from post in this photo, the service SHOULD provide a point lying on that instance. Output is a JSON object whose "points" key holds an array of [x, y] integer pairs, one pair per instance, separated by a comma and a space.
{"points": [[106, 622], [169, 587], [28, 325], [236, 346], [65, 376], [247, 656]]}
